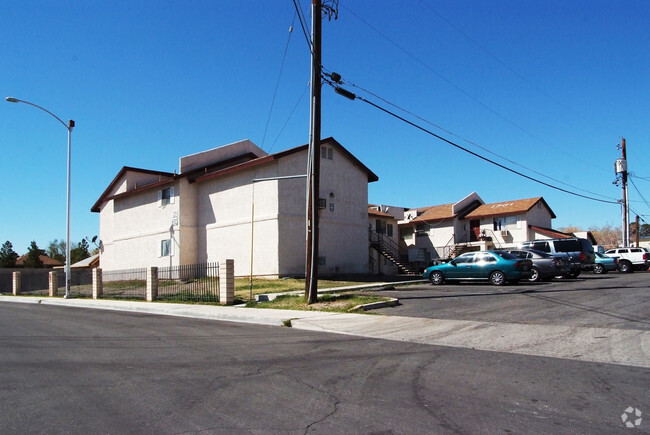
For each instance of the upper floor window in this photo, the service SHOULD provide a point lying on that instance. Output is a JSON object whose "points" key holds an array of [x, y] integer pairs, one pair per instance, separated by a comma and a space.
{"points": [[326, 153], [166, 196]]}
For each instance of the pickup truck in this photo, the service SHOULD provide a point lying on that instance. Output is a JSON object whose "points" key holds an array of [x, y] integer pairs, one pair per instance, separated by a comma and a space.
{"points": [[630, 258]]}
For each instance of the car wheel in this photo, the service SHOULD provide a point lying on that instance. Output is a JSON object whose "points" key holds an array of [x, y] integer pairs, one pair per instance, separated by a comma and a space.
{"points": [[598, 268], [625, 266], [497, 277], [536, 276], [437, 278]]}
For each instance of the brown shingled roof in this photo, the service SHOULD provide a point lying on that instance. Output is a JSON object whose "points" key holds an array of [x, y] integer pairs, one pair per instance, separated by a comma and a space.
{"points": [[377, 213], [507, 208], [436, 213]]}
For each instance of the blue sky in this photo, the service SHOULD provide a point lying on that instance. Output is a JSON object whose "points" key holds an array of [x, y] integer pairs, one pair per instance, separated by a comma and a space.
{"points": [[550, 86]]}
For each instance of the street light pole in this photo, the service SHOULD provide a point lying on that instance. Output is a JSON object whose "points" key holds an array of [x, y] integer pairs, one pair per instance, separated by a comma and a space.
{"points": [[69, 126]]}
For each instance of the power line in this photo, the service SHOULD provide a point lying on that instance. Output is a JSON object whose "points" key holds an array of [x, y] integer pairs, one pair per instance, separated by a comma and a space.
{"points": [[301, 18], [352, 96], [505, 65], [471, 142], [304, 91], [458, 88], [277, 83]]}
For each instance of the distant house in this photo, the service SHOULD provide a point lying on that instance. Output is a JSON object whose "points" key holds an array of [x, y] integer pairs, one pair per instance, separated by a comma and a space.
{"points": [[91, 262], [48, 262], [238, 202]]}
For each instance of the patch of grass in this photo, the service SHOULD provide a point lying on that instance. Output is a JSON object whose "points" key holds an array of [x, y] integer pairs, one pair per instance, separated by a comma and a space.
{"points": [[339, 303], [268, 285]]}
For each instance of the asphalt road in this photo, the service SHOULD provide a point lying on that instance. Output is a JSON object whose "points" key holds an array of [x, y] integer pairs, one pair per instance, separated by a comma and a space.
{"points": [[73, 370], [613, 300]]}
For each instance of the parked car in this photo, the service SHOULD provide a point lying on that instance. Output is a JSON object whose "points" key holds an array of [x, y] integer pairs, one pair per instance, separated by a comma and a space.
{"points": [[605, 263], [630, 258], [579, 252], [497, 267], [545, 266]]}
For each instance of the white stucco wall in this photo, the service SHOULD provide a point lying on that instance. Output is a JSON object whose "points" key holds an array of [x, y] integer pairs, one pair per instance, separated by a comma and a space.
{"points": [[211, 220], [132, 228], [344, 221]]}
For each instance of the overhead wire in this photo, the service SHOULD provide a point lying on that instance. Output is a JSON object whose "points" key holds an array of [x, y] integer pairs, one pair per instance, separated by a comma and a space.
{"points": [[419, 127], [301, 18], [277, 83], [460, 89], [639, 192], [304, 91], [470, 141], [505, 65]]}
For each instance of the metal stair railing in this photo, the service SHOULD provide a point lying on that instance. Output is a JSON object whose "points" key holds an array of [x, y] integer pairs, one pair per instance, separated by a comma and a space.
{"points": [[388, 248]]}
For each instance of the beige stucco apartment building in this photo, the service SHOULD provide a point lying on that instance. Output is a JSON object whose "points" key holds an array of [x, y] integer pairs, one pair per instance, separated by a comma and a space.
{"points": [[238, 202], [444, 231]]}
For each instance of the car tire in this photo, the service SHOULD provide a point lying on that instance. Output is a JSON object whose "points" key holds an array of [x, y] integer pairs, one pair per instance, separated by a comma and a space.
{"points": [[625, 266], [598, 269], [437, 278], [497, 278], [536, 276]]}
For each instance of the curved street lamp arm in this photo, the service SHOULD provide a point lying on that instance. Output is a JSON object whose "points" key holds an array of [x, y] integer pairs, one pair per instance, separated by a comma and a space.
{"points": [[16, 100]]}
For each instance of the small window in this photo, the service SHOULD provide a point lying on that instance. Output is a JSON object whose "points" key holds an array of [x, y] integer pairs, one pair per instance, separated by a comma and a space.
{"points": [[327, 153], [165, 248], [322, 203], [166, 196], [389, 230]]}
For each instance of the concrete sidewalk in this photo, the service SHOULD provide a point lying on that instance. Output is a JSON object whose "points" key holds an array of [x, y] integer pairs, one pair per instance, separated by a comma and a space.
{"points": [[604, 345]]}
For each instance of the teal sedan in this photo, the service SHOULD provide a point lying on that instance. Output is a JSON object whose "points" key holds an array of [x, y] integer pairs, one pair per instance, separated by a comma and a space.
{"points": [[604, 264], [497, 267]]}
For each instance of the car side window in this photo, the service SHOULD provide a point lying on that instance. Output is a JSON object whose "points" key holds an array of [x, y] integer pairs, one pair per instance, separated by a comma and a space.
{"points": [[622, 251], [541, 246], [464, 259]]}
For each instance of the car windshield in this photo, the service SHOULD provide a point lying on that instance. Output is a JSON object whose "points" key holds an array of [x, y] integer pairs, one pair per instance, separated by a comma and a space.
{"points": [[505, 255], [599, 255]]}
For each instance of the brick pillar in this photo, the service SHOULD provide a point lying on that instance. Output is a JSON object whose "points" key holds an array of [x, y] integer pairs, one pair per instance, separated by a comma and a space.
{"points": [[16, 282], [53, 285], [152, 284], [227, 282], [98, 285]]}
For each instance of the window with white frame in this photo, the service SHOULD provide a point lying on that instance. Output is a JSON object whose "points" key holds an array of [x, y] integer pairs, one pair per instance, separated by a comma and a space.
{"points": [[166, 248], [166, 196], [327, 153]]}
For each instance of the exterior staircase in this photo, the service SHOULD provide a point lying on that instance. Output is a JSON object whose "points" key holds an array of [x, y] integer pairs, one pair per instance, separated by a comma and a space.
{"points": [[389, 249]]}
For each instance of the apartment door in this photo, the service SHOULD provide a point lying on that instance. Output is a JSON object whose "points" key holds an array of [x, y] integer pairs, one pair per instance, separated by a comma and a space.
{"points": [[474, 230]]}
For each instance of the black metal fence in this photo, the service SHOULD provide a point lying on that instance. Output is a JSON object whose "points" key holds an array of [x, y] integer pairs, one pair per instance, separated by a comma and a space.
{"points": [[191, 282], [125, 284], [81, 282]]}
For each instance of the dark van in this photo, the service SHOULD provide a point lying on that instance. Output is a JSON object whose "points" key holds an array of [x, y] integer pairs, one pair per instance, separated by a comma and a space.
{"points": [[579, 252]]}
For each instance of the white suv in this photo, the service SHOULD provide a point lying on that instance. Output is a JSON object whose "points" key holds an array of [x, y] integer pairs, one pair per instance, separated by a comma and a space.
{"points": [[630, 258]]}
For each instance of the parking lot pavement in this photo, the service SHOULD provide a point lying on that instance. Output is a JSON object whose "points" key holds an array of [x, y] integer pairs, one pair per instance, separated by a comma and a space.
{"points": [[598, 319], [613, 301]]}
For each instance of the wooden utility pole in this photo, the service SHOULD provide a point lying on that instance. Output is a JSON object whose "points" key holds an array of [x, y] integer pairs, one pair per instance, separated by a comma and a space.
{"points": [[626, 204], [313, 167]]}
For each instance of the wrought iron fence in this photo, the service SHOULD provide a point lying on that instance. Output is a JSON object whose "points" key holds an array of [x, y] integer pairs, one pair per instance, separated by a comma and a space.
{"points": [[190, 282], [128, 283]]}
